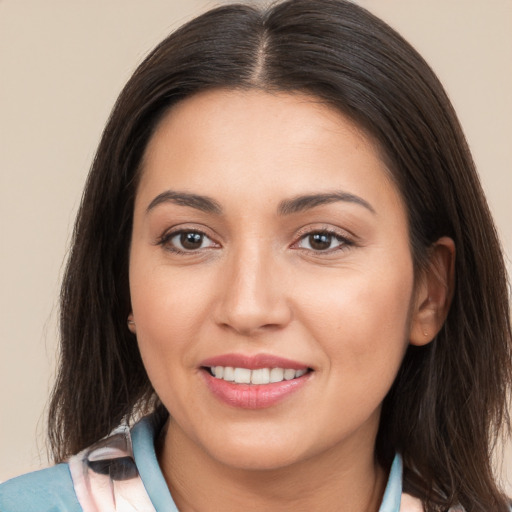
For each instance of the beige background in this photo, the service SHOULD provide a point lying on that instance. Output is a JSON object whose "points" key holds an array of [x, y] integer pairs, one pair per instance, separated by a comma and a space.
{"points": [[62, 64]]}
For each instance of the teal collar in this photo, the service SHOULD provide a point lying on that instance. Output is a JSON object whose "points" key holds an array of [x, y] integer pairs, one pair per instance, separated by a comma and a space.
{"points": [[143, 439]]}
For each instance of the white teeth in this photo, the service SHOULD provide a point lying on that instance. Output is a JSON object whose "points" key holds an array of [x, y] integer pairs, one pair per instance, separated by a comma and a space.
{"points": [[276, 375], [261, 376], [289, 374], [229, 373], [242, 376], [258, 376]]}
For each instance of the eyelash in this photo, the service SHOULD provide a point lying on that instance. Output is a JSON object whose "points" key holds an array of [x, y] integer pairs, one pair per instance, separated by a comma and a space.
{"points": [[344, 242], [165, 239]]}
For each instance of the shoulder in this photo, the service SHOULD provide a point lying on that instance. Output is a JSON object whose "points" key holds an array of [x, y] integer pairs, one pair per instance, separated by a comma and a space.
{"points": [[48, 490]]}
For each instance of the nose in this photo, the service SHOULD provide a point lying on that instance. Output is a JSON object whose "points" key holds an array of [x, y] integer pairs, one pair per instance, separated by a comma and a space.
{"points": [[254, 295]]}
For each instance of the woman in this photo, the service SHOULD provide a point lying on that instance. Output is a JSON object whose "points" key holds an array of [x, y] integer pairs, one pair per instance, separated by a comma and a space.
{"points": [[284, 257]]}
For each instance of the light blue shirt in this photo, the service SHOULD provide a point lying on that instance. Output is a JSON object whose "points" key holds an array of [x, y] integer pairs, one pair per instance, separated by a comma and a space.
{"points": [[52, 489]]}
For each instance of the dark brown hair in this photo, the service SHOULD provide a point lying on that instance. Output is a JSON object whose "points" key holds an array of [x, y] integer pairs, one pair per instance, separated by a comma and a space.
{"points": [[449, 398]]}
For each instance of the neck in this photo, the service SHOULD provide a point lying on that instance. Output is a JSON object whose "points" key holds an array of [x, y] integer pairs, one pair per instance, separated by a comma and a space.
{"points": [[344, 479]]}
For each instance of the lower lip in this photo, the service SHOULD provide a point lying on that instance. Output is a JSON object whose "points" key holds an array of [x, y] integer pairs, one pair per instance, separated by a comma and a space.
{"points": [[253, 396]]}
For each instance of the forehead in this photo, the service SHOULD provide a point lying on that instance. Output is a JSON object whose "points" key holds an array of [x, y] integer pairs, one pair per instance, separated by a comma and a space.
{"points": [[238, 139]]}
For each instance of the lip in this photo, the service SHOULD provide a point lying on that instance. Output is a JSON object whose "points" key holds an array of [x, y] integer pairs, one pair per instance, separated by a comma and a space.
{"points": [[253, 396], [253, 362]]}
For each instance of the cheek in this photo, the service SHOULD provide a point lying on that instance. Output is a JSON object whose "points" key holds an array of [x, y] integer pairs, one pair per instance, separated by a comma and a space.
{"points": [[361, 318], [168, 313], [167, 316], [164, 296]]}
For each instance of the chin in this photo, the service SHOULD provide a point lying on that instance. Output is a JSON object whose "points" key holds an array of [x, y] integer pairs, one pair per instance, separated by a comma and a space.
{"points": [[256, 461], [256, 456]]}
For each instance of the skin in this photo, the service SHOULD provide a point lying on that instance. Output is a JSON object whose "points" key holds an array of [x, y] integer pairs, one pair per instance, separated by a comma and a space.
{"points": [[255, 284]]}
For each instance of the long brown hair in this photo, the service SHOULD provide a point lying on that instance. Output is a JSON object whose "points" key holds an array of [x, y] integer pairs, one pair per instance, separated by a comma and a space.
{"points": [[448, 402]]}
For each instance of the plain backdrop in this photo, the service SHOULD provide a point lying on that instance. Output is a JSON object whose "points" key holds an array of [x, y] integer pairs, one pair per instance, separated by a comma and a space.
{"points": [[63, 63]]}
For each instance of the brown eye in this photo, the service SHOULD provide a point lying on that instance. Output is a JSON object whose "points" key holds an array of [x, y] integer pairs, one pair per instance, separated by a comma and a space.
{"points": [[187, 241], [191, 240], [322, 241]]}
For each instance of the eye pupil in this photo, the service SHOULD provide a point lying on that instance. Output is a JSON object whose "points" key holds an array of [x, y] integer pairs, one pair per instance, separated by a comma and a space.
{"points": [[320, 241], [191, 240]]}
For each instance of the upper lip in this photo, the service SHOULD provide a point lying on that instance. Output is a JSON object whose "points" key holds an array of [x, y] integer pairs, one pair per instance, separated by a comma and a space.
{"points": [[253, 362]]}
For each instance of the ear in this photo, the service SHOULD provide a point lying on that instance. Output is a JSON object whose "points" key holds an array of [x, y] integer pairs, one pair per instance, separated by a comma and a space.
{"points": [[131, 323], [434, 293]]}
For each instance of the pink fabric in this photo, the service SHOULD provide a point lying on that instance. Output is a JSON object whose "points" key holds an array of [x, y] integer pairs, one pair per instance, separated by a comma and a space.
{"points": [[106, 479]]}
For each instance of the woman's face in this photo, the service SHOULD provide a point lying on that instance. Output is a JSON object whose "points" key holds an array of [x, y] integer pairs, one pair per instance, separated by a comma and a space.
{"points": [[269, 244]]}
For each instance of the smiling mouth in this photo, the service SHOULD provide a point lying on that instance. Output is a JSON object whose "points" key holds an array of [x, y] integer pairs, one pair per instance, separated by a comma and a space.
{"points": [[260, 376]]}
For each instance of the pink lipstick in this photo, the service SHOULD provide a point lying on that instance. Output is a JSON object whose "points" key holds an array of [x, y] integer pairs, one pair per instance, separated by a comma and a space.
{"points": [[253, 382]]}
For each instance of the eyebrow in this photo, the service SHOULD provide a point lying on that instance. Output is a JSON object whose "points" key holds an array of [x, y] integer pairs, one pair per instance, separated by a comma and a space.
{"points": [[203, 203], [306, 202], [287, 207]]}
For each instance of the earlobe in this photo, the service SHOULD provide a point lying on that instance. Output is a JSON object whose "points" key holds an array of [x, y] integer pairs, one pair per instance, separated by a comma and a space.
{"points": [[131, 323], [434, 293]]}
